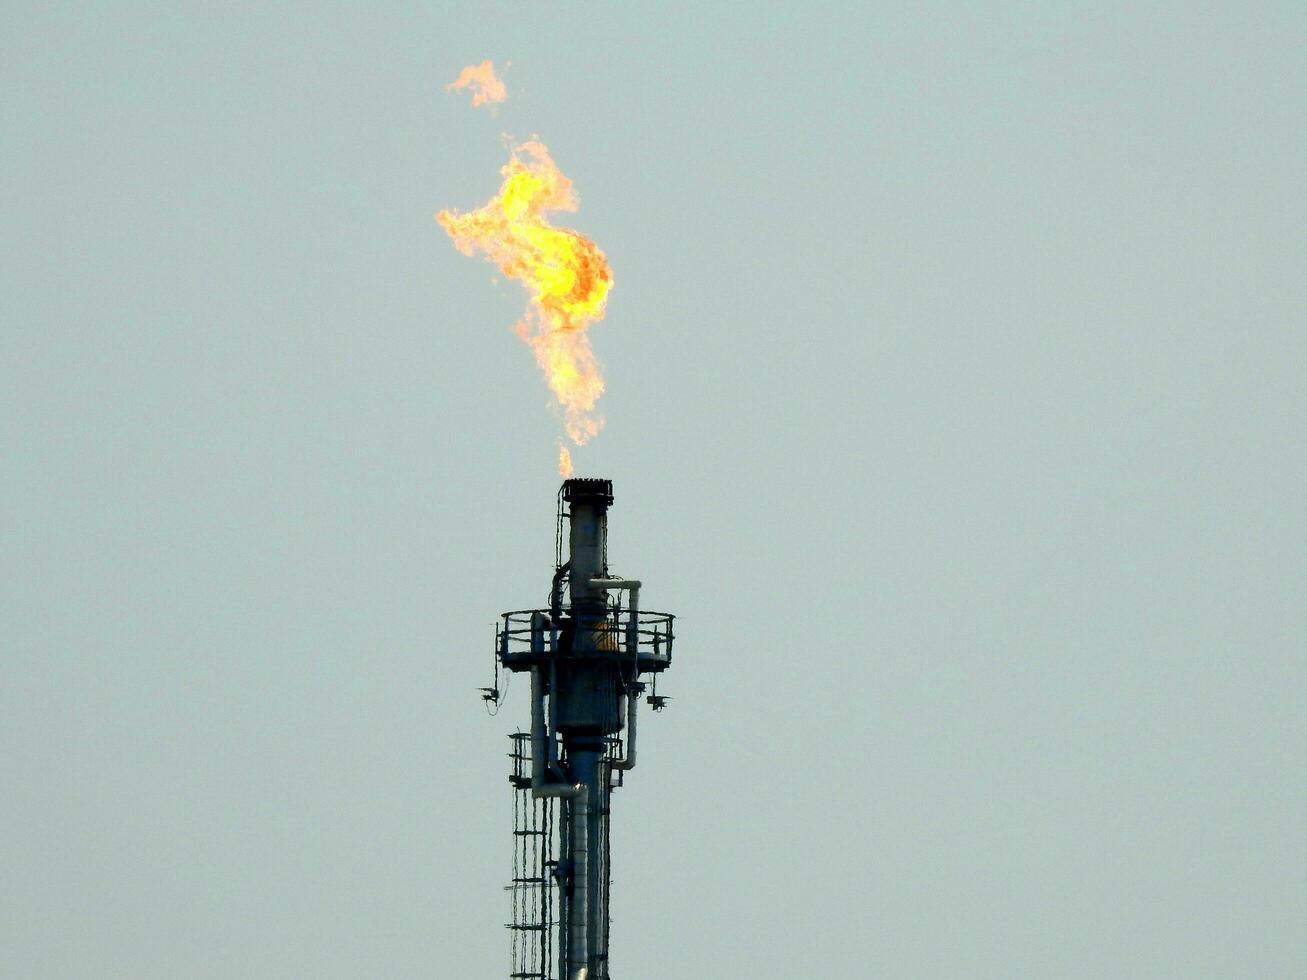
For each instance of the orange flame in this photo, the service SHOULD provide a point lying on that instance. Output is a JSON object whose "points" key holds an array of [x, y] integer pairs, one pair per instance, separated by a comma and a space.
{"points": [[486, 86], [565, 272], [564, 461]]}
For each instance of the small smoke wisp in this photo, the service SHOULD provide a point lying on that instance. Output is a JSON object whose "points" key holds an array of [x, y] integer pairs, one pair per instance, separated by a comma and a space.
{"points": [[565, 273], [482, 82]]}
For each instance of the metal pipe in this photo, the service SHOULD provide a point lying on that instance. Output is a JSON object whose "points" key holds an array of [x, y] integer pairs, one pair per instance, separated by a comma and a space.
{"points": [[537, 730], [552, 747], [559, 791], [589, 528], [627, 764], [633, 619], [600, 582], [542, 750], [556, 590], [579, 796], [578, 913]]}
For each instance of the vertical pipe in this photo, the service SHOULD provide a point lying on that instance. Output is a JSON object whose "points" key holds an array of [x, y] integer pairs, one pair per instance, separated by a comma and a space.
{"points": [[552, 747], [633, 624], [632, 702], [587, 532], [586, 908], [591, 709], [537, 729], [578, 913]]}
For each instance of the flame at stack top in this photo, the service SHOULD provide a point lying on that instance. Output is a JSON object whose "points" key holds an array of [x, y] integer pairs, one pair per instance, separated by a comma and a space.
{"points": [[566, 274]]}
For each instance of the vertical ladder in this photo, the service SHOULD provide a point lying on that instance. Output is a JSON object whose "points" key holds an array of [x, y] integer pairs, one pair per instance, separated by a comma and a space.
{"points": [[531, 929]]}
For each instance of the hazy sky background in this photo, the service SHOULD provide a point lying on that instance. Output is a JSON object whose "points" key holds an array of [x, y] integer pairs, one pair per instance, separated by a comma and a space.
{"points": [[956, 367]]}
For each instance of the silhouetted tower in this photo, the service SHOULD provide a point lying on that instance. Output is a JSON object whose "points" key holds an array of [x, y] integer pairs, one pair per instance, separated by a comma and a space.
{"points": [[586, 655]]}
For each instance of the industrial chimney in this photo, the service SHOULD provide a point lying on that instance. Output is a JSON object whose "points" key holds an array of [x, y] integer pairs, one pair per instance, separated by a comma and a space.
{"points": [[585, 655]]}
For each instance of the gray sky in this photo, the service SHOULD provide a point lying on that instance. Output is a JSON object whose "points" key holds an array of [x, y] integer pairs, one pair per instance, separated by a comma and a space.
{"points": [[956, 365]]}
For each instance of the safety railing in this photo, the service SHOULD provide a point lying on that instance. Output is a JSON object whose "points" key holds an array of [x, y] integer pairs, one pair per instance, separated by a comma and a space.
{"points": [[528, 636]]}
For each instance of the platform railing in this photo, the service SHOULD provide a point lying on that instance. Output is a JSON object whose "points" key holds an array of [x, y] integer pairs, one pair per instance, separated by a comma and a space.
{"points": [[525, 635]]}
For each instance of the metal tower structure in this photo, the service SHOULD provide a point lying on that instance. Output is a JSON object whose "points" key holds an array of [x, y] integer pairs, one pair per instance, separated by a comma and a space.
{"points": [[586, 655]]}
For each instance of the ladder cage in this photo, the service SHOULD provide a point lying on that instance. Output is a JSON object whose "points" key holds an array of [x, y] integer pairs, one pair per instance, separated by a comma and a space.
{"points": [[532, 927]]}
